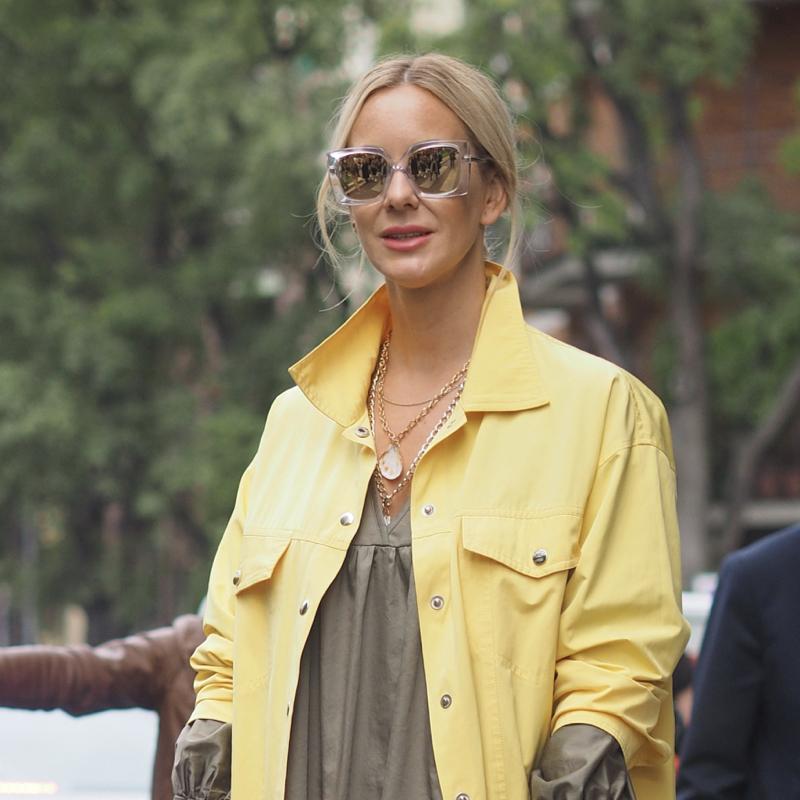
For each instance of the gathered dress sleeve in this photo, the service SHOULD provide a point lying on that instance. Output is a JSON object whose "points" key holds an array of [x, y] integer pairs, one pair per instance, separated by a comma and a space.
{"points": [[581, 762], [621, 630], [203, 761]]}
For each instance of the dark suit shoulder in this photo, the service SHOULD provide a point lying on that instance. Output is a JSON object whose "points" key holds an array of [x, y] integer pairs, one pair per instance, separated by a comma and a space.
{"points": [[758, 584], [775, 554]]}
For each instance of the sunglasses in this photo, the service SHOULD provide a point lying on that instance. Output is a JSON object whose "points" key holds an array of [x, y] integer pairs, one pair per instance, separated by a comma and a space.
{"points": [[436, 169]]}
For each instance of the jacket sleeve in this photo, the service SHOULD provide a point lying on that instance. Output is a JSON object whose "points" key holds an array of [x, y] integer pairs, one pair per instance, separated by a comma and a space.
{"points": [[728, 684], [621, 629], [213, 659], [123, 673]]}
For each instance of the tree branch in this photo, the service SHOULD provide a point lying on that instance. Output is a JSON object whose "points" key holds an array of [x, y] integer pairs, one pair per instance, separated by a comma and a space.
{"points": [[749, 457], [598, 325]]}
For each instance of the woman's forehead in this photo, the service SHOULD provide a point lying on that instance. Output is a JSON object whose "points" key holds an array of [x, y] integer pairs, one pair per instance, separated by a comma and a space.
{"points": [[401, 116]]}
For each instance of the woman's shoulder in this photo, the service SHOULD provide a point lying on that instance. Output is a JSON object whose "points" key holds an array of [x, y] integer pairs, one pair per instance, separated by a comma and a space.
{"points": [[289, 400], [600, 386], [293, 408], [292, 403], [562, 361], [554, 353]]}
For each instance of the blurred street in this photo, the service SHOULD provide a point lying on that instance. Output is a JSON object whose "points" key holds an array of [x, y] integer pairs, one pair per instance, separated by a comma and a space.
{"points": [[106, 756]]}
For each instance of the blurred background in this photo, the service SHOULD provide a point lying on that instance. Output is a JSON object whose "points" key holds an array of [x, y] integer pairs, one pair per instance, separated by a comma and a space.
{"points": [[159, 271]]}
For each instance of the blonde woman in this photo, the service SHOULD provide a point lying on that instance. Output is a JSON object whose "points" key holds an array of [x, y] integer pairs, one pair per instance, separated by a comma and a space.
{"points": [[452, 568]]}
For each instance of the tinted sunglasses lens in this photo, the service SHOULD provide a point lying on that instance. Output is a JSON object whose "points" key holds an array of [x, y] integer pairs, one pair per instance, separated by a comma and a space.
{"points": [[437, 169], [362, 175]]}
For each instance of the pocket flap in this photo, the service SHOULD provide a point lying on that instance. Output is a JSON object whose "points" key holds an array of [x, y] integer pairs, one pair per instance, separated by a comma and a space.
{"points": [[535, 547], [258, 558]]}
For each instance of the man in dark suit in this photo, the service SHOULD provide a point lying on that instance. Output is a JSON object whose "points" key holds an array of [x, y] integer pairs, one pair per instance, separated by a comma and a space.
{"points": [[744, 738]]}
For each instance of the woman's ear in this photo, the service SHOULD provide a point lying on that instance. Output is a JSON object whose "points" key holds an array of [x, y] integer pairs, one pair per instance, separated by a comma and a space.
{"points": [[353, 223], [495, 200]]}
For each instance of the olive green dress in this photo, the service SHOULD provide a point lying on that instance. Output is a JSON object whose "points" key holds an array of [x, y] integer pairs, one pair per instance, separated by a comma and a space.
{"points": [[361, 729]]}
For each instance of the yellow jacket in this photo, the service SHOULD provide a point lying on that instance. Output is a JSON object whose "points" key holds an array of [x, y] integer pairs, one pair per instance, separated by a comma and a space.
{"points": [[543, 515]]}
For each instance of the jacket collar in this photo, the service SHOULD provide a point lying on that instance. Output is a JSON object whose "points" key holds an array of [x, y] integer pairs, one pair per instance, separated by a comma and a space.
{"points": [[503, 375]]}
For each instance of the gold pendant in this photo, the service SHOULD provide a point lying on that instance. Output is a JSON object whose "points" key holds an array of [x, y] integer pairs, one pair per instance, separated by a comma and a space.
{"points": [[390, 463]]}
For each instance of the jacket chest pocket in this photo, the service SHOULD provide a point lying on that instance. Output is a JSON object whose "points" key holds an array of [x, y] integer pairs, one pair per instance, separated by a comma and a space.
{"points": [[257, 560], [513, 573]]}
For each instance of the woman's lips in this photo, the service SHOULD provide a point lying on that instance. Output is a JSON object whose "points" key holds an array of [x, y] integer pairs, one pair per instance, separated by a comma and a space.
{"points": [[406, 237]]}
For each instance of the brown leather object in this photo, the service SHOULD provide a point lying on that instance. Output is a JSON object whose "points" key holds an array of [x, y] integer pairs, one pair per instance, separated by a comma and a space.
{"points": [[148, 670]]}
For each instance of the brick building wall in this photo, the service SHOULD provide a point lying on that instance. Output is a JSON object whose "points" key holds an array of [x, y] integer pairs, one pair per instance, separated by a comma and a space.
{"points": [[741, 128]]}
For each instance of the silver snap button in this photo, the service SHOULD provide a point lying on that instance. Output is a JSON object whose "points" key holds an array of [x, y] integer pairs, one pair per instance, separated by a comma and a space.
{"points": [[437, 602], [347, 518], [304, 607], [462, 796], [540, 556], [446, 701], [237, 576], [428, 510], [362, 432]]}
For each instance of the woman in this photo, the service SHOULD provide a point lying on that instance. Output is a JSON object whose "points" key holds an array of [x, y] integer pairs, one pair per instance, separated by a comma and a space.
{"points": [[527, 651]]}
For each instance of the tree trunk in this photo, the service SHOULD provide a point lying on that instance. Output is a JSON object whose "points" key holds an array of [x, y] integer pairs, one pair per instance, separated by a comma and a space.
{"points": [[29, 592], [689, 412], [5, 614]]}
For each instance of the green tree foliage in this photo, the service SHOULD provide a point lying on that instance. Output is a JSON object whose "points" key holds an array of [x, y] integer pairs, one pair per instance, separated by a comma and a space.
{"points": [[754, 275], [157, 275], [791, 147]]}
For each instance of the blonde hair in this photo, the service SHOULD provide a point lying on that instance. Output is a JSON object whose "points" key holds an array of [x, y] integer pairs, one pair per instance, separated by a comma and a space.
{"points": [[472, 97]]}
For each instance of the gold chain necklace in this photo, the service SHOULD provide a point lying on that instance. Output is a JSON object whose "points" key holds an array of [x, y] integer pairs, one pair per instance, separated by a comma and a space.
{"points": [[406, 405], [390, 464], [374, 393], [385, 496]]}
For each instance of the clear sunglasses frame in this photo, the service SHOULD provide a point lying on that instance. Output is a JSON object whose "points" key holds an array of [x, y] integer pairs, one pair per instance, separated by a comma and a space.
{"points": [[462, 154]]}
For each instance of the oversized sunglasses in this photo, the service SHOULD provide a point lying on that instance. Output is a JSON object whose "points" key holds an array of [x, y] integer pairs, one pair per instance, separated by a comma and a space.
{"points": [[435, 168]]}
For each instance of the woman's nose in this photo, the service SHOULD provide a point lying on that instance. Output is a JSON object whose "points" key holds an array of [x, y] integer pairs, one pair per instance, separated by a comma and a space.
{"points": [[399, 191]]}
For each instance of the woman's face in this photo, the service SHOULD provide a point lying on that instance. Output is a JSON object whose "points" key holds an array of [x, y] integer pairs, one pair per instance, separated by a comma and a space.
{"points": [[417, 242]]}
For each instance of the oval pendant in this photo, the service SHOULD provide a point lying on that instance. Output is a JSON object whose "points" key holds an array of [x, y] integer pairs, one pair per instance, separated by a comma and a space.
{"points": [[390, 463]]}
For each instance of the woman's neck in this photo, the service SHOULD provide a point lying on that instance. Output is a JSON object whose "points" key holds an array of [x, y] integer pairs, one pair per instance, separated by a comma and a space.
{"points": [[433, 333]]}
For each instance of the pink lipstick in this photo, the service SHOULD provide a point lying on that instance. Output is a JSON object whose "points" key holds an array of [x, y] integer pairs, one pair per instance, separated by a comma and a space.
{"points": [[405, 237]]}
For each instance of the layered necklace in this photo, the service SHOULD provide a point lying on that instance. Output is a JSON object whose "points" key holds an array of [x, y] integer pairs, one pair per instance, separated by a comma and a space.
{"points": [[390, 463]]}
